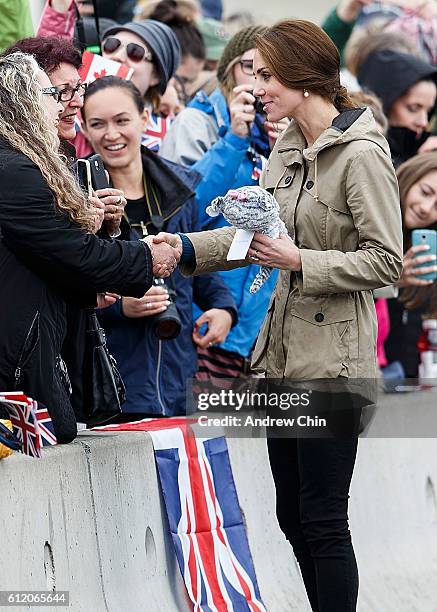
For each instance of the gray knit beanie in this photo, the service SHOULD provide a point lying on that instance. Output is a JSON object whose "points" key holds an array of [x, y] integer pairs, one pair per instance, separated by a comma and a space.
{"points": [[241, 42], [162, 42]]}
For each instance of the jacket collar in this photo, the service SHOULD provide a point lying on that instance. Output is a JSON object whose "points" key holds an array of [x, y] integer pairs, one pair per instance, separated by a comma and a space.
{"points": [[353, 124], [175, 182]]}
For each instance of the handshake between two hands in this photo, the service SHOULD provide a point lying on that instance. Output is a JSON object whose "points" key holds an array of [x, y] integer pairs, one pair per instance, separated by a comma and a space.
{"points": [[279, 252], [166, 252]]}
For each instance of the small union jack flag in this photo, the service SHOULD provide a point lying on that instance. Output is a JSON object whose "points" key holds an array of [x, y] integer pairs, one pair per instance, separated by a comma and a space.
{"points": [[155, 131], [31, 422], [45, 426], [22, 415], [204, 516]]}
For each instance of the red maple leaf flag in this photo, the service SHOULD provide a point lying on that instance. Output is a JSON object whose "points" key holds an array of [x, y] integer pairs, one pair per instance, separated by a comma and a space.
{"points": [[95, 67]]}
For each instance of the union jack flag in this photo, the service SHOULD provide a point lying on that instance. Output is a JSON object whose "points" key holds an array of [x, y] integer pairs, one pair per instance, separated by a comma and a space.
{"points": [[204, 517], [155, 131], [45, 426], [31, 422], [260, 163]]}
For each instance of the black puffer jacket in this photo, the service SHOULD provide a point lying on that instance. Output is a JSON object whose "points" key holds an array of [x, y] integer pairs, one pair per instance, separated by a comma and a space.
{"points": [[46, 262]]}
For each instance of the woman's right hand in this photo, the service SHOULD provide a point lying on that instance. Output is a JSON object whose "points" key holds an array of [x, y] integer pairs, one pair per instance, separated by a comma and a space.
{"points": [[242, 110], [411, 271], [155, 300]]}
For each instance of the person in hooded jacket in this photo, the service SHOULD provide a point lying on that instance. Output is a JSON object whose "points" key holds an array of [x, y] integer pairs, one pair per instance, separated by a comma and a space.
{"points": [[406, 85], [160, 195], [333, 178]]}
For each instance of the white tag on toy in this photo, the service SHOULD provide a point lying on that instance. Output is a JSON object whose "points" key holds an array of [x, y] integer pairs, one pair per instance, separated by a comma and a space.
{"points": [[240, 245]]}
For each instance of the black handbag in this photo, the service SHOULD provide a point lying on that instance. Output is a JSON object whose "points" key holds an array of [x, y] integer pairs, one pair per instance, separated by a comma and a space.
{"points": [[103, 388]]}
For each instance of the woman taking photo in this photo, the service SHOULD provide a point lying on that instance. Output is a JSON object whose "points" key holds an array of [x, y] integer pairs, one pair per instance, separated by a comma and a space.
{"points": [[48, 254], [332, 176], [418, 193]]}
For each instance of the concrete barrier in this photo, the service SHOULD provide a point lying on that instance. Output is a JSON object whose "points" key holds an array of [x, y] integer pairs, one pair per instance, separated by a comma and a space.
{"points": [[88, 518]]}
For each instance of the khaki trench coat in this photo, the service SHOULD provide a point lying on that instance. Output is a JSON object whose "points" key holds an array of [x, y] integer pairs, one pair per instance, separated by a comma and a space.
{"points": [[339, 200]]}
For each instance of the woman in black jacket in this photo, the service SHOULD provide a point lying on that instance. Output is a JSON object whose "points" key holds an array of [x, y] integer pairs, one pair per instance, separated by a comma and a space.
{"points": [[49, 255]]}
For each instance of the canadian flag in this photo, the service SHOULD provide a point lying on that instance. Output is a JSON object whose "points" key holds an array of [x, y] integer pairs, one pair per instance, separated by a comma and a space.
{"points": [[95, 66]]}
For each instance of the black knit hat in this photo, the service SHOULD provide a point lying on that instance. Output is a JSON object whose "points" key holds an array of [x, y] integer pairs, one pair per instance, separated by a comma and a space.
{"points": [[162, 42], [241, 42]]}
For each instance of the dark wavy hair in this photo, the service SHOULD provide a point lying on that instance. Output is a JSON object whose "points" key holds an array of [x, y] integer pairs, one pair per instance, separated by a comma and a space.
{"points": [[50, 52]]}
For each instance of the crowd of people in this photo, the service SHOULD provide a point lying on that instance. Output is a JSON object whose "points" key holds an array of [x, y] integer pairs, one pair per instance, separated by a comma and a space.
{"points": [[336, 122]]}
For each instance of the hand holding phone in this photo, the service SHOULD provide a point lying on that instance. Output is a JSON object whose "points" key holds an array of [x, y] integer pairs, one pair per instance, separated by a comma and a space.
{"points": [[92, 174], [426, 238]]}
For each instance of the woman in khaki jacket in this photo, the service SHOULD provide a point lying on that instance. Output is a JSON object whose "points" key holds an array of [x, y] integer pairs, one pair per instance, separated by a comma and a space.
{"points": [[333, 178]]}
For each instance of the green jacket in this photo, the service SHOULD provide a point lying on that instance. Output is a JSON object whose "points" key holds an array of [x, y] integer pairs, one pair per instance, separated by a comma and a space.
{"points": [[15, 22], [339, 31]]}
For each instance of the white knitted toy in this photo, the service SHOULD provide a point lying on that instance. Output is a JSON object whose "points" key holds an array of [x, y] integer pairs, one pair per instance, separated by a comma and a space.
{"points": [[252, 209]]}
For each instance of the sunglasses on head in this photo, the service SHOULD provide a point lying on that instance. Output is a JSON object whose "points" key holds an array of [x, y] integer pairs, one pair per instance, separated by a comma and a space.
{"points": [[136, 53]]}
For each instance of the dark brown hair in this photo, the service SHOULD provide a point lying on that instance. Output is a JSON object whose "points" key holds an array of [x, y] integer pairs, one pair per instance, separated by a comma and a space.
{"points": [[302, 56], [409, 173]]}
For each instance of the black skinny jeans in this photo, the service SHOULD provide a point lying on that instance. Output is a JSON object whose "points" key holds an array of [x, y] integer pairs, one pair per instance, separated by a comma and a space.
{"points": [[312, 478]]}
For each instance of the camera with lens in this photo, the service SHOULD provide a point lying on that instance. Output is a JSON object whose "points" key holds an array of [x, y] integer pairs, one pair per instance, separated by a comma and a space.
{"points": [[166, 325]]}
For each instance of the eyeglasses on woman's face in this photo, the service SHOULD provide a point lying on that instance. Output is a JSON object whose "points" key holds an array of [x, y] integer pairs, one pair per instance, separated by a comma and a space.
{"points": [[246, 66], [67, 93], [136, 53]]}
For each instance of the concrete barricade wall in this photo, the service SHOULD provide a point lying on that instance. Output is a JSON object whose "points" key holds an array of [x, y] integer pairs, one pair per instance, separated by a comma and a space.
{"points": [[89, 518]]}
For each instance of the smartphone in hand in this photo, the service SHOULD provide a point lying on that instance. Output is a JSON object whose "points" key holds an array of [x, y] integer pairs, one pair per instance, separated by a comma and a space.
{"points": [[92, 174], [428, 237], [84, 176]]}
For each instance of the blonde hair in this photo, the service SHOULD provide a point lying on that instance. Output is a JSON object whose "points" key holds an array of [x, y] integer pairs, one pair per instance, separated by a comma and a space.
{"points": [[26, 126]]}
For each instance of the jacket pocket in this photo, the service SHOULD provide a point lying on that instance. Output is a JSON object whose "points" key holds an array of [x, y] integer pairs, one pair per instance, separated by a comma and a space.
{"points": [[29, 345], [259, 353], [320, 337]]}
